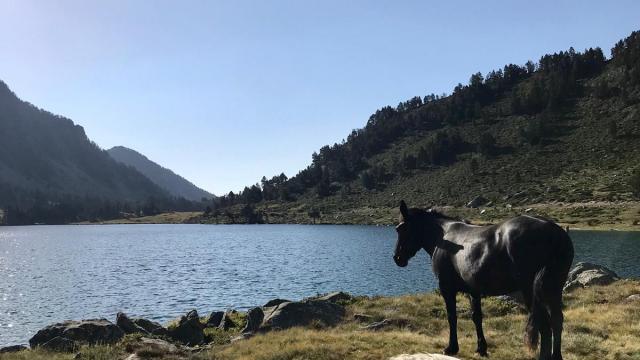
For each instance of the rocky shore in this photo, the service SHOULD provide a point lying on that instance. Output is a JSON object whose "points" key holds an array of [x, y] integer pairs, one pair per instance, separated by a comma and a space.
{"points": [[196, 336]]}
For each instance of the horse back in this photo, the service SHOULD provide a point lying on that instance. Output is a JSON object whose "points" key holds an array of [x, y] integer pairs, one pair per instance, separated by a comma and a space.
{"points": [[496, 259]]}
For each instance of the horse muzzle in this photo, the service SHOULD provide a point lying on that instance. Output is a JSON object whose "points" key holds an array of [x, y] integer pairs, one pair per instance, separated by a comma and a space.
{"points": [[400, 262]]}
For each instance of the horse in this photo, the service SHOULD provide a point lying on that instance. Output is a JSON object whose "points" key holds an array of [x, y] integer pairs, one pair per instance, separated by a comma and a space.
{"points": [[526, 253]]}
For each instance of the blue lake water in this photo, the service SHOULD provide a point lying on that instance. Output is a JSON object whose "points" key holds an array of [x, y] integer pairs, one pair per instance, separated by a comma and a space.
{"points": [[54, 273]]}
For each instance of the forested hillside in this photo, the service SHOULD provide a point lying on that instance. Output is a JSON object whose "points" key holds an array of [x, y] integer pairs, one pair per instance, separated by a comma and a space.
{"points": [[51, 172], [173, 183], [563, 129]]}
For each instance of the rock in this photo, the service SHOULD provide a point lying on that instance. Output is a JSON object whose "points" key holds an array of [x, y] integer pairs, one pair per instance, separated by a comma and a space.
{"points": [[477, 201], [519, 194], [254, 320], [215, 318], [147, 346], [189, 329], [151, 327], [127, 325], [422, 357], [588, 274], [379, 325], [226, 323], [334, 297], [95, 331], [515, 298], [362, 317], [275, 302], [59, 344], [302, 313], [12, 349], [630, 299], [242, 336]]}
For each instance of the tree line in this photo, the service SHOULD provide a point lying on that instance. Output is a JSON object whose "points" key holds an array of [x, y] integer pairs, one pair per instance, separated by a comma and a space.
{"points": [[531, 89]]}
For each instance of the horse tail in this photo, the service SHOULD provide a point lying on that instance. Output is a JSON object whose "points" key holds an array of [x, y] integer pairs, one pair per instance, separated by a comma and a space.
{"points": [[536, 312], [548, 281]]}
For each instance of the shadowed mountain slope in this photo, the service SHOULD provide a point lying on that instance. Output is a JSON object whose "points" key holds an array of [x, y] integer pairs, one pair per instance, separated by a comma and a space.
{"points": [[46, 158], [175, 184]]}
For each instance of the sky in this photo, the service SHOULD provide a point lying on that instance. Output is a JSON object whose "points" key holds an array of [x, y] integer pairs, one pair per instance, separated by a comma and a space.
{"points": [[224, 92]]}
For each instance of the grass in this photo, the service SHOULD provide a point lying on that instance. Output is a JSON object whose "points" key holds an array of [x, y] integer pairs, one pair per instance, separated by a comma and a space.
{"points": [[174, 217], [599, 324]]}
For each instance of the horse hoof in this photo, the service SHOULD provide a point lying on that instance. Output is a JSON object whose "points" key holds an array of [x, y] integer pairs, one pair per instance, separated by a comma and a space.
{"points": [[451, 350], [482, 352]]}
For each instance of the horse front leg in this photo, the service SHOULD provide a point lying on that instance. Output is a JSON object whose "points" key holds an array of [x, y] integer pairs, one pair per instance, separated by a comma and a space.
{"points": [[476, 315], [452, 317]]}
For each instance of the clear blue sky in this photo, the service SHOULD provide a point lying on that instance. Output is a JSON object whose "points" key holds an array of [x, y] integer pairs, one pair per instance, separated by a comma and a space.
{"points": [[223, 92]]}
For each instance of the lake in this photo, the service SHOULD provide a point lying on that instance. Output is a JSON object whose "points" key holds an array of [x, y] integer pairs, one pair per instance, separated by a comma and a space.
{"points": [[54, 273]]}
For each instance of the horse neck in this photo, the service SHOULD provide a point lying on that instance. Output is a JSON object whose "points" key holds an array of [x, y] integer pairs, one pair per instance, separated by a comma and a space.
{"points": [[435, 229]]}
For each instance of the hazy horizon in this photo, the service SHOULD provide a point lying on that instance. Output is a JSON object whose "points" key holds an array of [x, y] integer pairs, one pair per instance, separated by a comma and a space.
{"points": [[223, 92]]}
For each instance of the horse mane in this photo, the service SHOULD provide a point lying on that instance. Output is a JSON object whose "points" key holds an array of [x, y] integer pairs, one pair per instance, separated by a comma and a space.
{"points": [[433, 214]]}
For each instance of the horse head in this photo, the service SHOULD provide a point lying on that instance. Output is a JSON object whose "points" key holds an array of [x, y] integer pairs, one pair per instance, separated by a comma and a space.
{"points": [[418, 229], [410, 236]]}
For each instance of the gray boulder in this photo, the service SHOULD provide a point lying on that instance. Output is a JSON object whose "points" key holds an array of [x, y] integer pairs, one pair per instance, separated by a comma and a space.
{"points": [[630, 299], [587, 274], [275, 302], [127, 325], [95, 331], [334, 297], [226, 323], [215, 318], [59, 344], [303, 313], [254, 320], [151, 327], [515, 298], [12, 349], [188, 330], [147, 346]]}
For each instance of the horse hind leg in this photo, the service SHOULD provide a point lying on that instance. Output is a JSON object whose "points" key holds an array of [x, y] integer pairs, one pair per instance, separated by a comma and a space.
{"points": [[539, 322], [557, 318], [545, 334]]}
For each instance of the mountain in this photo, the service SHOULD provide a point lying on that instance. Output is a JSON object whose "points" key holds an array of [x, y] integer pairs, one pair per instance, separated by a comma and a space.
{"points": [[173, 183], [564, 129], [51, 172]]}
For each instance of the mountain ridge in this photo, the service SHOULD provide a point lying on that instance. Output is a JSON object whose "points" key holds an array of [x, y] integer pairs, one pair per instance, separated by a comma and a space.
{"points": [[51, 172], [165, 178]]}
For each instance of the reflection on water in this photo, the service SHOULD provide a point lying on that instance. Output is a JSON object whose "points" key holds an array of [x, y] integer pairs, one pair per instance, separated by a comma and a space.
{"points": [[54, 273]]}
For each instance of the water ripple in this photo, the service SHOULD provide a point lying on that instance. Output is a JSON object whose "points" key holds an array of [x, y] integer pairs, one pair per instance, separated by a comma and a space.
{"points": [[55, 273]]}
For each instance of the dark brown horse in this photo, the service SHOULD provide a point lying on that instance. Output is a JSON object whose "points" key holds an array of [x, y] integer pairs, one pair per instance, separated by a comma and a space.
{"points": [[526, 253]]}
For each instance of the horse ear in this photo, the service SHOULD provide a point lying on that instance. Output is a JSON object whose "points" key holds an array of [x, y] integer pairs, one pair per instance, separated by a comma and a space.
{"points": [[404, 210]]}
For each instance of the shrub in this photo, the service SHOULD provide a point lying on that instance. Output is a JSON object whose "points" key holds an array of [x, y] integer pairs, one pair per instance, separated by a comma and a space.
{"points": [[533, 132], [487, 144], [634, 183]]}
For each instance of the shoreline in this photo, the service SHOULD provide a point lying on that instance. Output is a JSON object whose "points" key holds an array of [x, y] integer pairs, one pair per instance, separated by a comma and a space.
{"points": [[602, 216], [357, 327]]}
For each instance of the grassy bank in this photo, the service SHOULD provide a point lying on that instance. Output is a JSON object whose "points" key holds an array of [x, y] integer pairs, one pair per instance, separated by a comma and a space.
{"points": [[174, 217], [600, 324]]}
